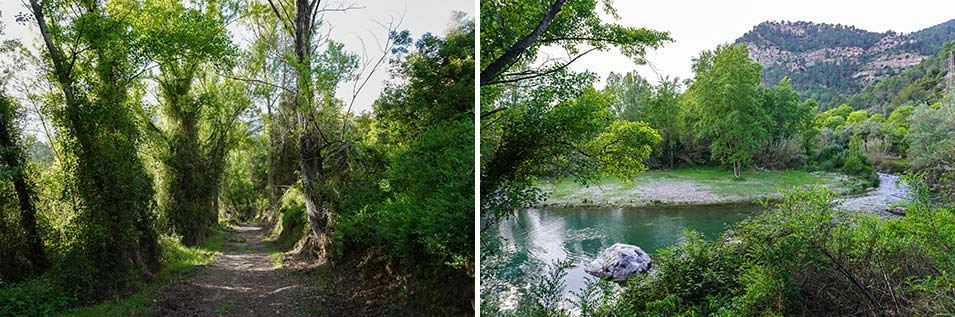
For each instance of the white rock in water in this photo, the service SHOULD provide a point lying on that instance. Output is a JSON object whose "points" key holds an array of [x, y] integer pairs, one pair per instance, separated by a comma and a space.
{"points": [[620, 262]]}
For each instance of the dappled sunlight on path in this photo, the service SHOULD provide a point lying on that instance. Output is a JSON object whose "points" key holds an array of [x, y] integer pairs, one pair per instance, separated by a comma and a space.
{"points": [[243, 281]]}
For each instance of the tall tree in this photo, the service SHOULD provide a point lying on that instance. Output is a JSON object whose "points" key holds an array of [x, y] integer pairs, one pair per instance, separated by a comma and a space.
{"points": [[318, 124], [635, 99], [187, 43], [94, 59], [631, 95], [12, 156], [269, 37], [726, 87]]}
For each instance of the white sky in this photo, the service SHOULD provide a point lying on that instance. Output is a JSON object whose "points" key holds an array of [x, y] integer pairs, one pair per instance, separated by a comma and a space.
{"points": [[349, 28], [702, 25]]}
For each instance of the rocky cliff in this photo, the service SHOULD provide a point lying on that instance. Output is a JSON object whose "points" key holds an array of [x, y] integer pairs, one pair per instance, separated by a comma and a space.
{"points": [[826, 60]]}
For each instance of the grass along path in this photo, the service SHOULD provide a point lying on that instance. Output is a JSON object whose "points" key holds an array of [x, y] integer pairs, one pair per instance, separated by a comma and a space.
{"points": [[690, 186], [244, 281]]}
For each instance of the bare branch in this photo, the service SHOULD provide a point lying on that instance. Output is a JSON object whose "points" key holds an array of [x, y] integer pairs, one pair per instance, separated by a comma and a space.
{"points": [[257, 81], [357, 88], [535, 75], [282, 19]]}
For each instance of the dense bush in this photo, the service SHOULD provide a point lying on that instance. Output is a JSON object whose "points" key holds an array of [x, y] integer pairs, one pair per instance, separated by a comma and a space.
{"points": [[931, 142], [414, 190]]}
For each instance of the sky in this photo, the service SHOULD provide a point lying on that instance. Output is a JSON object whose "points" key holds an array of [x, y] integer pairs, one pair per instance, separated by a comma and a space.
{"points": [[702, 25], [352, 28]]}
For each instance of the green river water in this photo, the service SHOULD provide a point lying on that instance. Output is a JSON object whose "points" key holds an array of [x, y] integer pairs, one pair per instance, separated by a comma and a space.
{"points": [[535, 238]]}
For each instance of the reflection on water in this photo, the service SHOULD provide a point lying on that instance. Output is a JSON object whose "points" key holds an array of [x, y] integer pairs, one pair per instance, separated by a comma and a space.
{"points": [[538, 237]]}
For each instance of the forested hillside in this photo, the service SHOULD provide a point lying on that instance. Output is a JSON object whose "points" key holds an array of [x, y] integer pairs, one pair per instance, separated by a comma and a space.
{"points": [[923, 83], [825, 61]]}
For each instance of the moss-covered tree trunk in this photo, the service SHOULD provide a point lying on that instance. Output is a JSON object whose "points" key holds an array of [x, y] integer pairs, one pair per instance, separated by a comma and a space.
{"points": [[312, 140], [116, 238], [190, 181], [12, 156]]}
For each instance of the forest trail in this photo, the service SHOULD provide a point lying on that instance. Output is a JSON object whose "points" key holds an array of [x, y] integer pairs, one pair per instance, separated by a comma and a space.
{"points": [[242, 281]]}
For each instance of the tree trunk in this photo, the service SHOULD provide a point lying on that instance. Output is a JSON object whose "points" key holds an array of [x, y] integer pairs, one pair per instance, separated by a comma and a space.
{"points": [[13, 158], [310, 136], [498, 66], [215, 204], [313, 176], [736, 171]]}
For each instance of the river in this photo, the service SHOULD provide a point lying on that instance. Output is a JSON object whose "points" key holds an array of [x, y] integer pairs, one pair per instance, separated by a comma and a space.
{"points": [[536, 237]]}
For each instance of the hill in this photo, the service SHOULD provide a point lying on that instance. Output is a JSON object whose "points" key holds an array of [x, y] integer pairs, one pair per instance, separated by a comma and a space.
{"points": [[825, 61]]}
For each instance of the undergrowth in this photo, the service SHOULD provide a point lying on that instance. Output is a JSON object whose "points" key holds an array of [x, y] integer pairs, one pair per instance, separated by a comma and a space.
{"points": [[42, 296]]}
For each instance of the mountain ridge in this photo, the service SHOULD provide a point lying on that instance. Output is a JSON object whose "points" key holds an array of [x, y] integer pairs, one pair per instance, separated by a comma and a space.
{"points": [[826, 60]]}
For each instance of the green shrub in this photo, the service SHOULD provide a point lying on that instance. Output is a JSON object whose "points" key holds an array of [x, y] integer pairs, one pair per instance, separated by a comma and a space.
{"points": [[829, 158], [293, 223], [37, 297]]}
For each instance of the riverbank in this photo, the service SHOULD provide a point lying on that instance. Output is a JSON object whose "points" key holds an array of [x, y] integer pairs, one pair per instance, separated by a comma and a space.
{"points": [[691, 186]]}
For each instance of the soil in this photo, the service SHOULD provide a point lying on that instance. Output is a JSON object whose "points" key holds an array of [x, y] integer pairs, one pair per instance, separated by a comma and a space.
{"points": [[242, 281]]}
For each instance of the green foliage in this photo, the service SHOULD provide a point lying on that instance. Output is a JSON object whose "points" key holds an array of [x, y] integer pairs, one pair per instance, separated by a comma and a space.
{"points": [[931, 143], [789, 116], [21, 250], [897, 127], [197, 119], [659, 107], [178, 257], [857, 117], [243, 185], [578, 23], [542, 125], [37, 297], [622, 148], [45, 297], [726, 88], [113, 240], [411, 200], [632, 94], [293, 210]]}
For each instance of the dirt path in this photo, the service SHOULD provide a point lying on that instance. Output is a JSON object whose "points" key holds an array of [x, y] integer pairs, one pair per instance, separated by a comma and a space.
{"points": [[243, 281]]}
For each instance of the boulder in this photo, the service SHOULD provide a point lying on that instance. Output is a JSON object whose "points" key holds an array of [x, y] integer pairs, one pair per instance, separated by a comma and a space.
{"points": [[896, 210], [619, 262]]}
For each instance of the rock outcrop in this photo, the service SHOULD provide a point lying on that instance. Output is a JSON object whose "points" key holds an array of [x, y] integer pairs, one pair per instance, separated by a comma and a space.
{"points": [[824, 60]]}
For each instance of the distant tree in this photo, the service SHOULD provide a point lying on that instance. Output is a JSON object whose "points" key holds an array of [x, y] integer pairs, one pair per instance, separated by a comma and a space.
{"points": [[931, 138], [631, 93], [857, 117], [635, 99], [727, 88], [896, 128], [788, 116]]}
